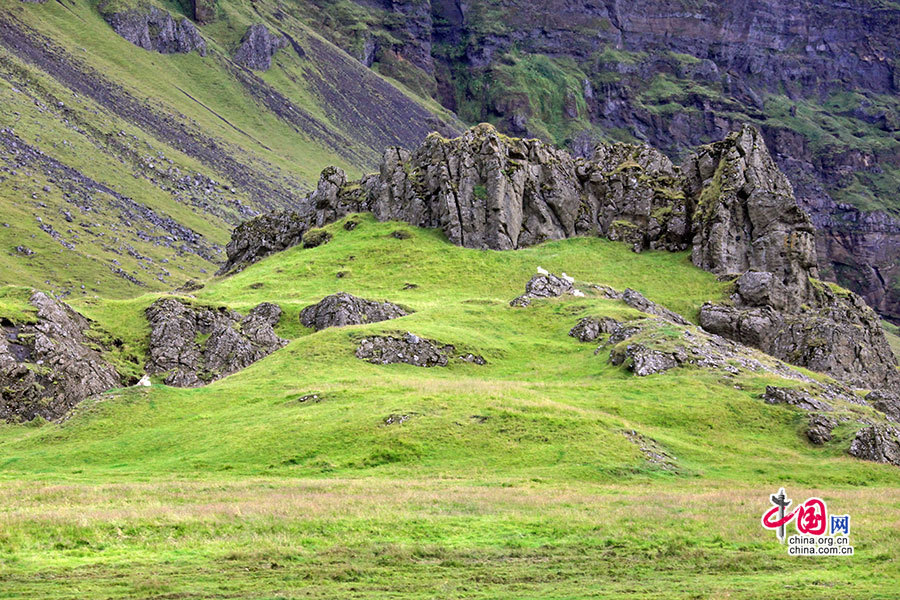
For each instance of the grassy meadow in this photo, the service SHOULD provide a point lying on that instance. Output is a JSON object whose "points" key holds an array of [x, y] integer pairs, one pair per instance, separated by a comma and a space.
{"points": [[510, 480]]}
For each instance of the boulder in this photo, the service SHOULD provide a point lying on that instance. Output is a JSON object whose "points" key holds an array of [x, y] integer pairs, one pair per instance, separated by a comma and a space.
{"points": [[544, 286], [49, 366], [795, 397], [819, 429], [589, 329], [410, 349], [887, 402], [204, 11], [341, 309], [195, 345], [878, 443], [257, 48], [156, 30]]}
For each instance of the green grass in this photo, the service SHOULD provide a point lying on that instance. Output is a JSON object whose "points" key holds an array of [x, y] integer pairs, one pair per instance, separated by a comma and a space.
{"points": [[509, 480]]}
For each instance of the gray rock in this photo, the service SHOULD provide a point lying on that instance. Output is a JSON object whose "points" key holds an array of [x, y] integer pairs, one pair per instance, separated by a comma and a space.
{"points": [[819, 430], [544, 286], [257, 48], [795, 397], [156, 30], [590, 329], [887, 402], [877, 443], [232, 342], [48, 367], [409, 349], [343, 309], [637, 301]]}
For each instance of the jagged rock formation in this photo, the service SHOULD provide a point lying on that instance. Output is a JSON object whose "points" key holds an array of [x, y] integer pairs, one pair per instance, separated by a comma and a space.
{"points": [[886, 402], [829, 330], [339, 310], [156, 30], [263, 236], [795, 397], [49, 366], [877, 443], [410, 349], [195, 345], [729, 204], [257, 48]]}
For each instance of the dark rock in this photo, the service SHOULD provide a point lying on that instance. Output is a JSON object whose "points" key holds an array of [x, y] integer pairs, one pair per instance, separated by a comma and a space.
{"points": [[544, 286], [887, 402], [795, 397], [647, 361], [267, 234], [48, 367], [409, 349], [401, 235], [344, 309], [637, 301], [315, 237], [877, 443], [257, 48], [24, 250], [819, 430], [178, 348], [156, 30], [589, 329], [204, 11]]}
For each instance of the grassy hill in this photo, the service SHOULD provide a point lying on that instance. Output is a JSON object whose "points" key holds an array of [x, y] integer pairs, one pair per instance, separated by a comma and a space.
{"points": [[519, 478]]}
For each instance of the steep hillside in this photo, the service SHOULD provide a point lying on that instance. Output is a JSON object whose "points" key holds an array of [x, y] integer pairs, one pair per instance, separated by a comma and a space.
{"points": [[125, 169], [820, 79]]}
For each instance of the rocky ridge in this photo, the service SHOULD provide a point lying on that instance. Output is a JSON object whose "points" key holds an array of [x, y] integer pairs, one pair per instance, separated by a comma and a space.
{"points": [[157, 30], [194, 345], [257, 48], [51, 364], [341, 309], [729, 204]]}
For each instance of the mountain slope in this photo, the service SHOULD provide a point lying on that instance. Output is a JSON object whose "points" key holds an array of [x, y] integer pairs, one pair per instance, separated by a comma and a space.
{"points": [[130, 167]]}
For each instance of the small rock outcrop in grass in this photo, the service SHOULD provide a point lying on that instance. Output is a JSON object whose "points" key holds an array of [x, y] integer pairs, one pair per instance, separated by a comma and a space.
{"points": [[544, 286], [410, 349], [339, 310], [257, 48], [195, 345], [877, 443], [50, 365], [157, 30]]}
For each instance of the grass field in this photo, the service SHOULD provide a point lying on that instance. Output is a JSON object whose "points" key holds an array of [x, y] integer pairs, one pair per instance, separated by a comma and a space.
{"points": [[509, 480]]}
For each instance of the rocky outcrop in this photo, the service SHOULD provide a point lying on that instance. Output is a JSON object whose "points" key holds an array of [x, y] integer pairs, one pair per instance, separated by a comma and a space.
{"points": [[156, 30], [877, 443], [729, 204], [204, 11], [339, 310], [545, 285], [795, 397], [412, 350], [50, 365], [260, 237], [194, 345], [831, 330], [257, 48]]}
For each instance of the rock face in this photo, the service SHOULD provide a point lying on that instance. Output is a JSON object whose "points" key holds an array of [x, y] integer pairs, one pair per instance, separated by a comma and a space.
{"points": [[410, 349], [729, 204], [195, 345], [263, 236], [343, 309], [204, 11], [257, 48], [878, 443], [830, 330], [155, 29], [49, 366]]}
